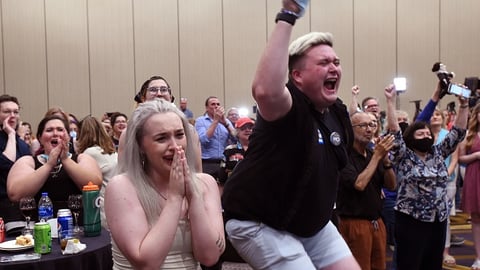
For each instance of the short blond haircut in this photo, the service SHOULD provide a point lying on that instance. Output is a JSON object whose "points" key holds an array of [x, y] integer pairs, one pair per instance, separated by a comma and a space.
{"points": [[299, 46], [305, 42]]}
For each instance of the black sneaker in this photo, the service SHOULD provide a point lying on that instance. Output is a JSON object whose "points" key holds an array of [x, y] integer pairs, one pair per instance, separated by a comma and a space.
{"points": [[456, 240]]}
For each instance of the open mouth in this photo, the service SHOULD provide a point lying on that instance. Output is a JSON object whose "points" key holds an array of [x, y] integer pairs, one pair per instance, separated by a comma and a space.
{"points": [[330, 83], [168, 159], [54, 142]]}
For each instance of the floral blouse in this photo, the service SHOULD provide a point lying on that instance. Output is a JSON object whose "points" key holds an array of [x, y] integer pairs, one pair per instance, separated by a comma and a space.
{"points": [[422, 184]]}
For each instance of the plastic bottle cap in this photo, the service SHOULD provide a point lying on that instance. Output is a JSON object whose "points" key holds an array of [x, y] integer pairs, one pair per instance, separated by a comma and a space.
{"points": [[90, 186], [44, 193]]}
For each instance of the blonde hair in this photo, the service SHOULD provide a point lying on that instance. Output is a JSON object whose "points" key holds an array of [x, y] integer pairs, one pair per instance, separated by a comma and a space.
{"points": [[133, 162], [298, 47], [305, 42]]}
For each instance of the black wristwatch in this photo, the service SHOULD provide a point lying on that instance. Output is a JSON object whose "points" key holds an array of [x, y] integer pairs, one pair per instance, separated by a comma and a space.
{"points": [[286, 16]]}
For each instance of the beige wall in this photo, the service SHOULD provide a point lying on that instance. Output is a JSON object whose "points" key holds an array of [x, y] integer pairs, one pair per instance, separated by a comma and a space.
{"points": [[91, 56]]}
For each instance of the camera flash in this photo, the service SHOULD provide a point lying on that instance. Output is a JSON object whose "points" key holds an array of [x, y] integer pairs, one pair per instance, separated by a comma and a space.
{"points": [[400, 83]]}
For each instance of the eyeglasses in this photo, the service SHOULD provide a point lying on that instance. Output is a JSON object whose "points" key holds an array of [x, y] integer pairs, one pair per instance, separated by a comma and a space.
{"points": [[371, 106], [155, 90], [365, 125]]}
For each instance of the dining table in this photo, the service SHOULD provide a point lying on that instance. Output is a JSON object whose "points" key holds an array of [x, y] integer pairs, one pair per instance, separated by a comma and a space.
{"points": [[97, 255]]}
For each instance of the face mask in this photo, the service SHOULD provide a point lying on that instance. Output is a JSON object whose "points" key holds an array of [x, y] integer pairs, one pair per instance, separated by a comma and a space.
{"points": [[423, 145], [73, 134], [403, 126]]}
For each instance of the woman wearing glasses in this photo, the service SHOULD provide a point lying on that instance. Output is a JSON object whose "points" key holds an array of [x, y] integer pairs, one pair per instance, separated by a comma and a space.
{"points": [[155, 87], [158, 87]]}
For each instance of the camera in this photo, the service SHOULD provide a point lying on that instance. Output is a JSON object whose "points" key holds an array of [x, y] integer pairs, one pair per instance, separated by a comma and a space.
{"points": [[455, 89], [444, 76], [451, 107], [473, 84]]}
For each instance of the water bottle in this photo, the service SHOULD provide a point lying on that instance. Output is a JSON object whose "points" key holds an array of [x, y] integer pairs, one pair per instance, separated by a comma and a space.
{"points": [[45, 208], [91, 210]]}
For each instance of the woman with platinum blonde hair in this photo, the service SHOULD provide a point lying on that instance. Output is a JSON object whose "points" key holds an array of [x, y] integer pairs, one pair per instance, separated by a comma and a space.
{"points": [[174, 215]]}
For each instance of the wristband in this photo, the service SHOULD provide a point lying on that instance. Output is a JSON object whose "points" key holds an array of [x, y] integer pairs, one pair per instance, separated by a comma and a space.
{"points": [[286, 16], [464, 106]]}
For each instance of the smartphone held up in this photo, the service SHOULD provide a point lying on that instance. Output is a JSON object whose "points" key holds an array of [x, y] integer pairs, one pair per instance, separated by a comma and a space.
{"points": [[459, 90]]}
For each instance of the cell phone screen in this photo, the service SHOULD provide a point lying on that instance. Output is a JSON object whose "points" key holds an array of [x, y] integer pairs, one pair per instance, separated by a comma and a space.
{"points": [[458, 90]]}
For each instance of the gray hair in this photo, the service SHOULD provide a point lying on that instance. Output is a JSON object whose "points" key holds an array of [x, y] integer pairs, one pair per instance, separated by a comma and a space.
{"points": [[133, 162]]}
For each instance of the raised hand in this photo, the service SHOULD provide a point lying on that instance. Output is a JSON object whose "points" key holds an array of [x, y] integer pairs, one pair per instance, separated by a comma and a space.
{"points": [[355, 90], [390, 92], [463, 101], [297, 6]]}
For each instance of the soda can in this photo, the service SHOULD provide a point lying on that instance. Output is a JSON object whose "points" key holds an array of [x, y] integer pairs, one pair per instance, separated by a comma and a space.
{"points": [[42, 237], [64, 224], [2, 230]]}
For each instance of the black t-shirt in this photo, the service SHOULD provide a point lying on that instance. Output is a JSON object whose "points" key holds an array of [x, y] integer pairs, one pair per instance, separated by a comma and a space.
{"points": [[288, 178], [59, 186], [352, 203]]}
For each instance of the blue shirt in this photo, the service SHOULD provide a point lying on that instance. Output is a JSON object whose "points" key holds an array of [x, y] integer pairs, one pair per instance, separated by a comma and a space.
{"points": [[213, 147], [441, 135], [188, 113]]}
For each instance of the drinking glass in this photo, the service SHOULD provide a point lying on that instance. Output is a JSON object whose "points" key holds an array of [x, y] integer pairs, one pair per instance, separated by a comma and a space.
{"points": [[75, 205], [27, 205]]}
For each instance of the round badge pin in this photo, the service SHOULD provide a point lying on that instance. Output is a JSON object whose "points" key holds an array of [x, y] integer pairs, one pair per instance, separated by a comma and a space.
{"points": [[335, 138]]}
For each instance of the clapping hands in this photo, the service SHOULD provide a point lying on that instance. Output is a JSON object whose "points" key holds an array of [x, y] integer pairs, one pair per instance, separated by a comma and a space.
{"points": [[181, 183], [384, 144], [59, 152], [219, 115]]}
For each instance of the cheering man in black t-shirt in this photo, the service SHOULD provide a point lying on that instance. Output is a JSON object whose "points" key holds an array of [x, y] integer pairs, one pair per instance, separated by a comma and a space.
{"points": [[279, 200]]}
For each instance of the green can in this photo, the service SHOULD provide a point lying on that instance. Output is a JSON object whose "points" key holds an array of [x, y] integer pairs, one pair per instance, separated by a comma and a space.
{"points": [[42, 238]]}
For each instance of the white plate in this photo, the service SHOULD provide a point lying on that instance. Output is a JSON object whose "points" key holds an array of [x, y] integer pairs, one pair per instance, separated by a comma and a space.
{"points": [[11, 246]]}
